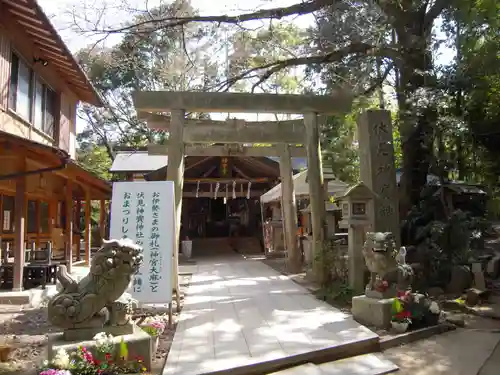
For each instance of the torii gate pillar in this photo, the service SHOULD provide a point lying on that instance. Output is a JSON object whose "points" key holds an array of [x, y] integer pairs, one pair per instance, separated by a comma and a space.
{"points": [[175, 173], [316, 192]]}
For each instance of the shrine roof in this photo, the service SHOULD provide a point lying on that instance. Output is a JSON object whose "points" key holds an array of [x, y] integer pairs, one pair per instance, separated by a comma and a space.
{"points": [[298, 164], [137, 162]]}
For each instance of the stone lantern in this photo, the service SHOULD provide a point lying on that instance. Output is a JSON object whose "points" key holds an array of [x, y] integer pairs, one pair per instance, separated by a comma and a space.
{"points": [[356, 207]]}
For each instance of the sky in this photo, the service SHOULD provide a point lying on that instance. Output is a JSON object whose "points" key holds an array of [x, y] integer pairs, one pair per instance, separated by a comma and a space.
{"points": [[62, 14]]}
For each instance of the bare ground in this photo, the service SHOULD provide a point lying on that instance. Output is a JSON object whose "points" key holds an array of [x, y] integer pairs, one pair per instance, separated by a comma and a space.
{"points": [[467, 351], [26, 329]]}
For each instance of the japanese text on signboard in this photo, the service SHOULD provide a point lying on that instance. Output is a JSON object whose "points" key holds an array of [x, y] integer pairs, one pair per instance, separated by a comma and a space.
{"points": [[144, 212]]}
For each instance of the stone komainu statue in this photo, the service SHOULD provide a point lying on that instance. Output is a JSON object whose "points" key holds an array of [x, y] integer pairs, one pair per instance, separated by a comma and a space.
{"points": [[98, 298], [383, 261]]}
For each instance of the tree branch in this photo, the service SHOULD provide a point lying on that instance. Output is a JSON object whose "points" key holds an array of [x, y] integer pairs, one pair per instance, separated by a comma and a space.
{"points": [[378, 82], [434, 12], [302, 8], [364, 49]]}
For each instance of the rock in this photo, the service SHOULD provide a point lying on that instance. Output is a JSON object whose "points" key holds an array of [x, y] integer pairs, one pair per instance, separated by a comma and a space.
{"points": [[461, 279], [473, 296], [435, 291], [493, 267], [456, 319]]}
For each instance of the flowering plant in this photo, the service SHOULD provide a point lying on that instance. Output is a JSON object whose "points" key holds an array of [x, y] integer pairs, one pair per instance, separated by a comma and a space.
{"points": [[402, 317], [104, 343], [414, 308], [399, 314], [102, 362], [381, 285], [154, 328], [55, 372]]}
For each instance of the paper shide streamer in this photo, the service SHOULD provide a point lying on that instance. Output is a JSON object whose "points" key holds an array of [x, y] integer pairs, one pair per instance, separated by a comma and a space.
{"points": [[217, 186]]}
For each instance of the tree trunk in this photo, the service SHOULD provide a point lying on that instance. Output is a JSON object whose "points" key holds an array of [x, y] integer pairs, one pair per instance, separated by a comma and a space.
{"points": [[416, 120]]}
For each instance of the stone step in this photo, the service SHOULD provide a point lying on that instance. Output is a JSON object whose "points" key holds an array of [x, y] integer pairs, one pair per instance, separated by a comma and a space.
{"points": [[212, 246], [365, 364], [249, 245], [335, 353]]}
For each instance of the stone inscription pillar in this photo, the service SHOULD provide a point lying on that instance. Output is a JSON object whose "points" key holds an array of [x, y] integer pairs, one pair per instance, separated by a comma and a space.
{"points": [[356, 260], [377, 169]]}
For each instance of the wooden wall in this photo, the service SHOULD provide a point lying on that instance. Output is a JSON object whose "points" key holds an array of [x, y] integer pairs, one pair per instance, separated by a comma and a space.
{"points": [[65, 132], [4, 69], [66, 124]]}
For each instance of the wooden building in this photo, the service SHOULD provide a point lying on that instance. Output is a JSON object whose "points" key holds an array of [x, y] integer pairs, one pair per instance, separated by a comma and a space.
{"points": [[43, 190], [220, 194]]}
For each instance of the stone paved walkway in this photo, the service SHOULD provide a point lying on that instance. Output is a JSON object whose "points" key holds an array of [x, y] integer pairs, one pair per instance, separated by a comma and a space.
{"points": [[238, 312]]}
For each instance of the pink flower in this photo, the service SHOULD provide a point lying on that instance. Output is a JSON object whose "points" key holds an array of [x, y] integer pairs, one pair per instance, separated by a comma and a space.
{"points": [[158, 325], [55, 372], [87, 356]]}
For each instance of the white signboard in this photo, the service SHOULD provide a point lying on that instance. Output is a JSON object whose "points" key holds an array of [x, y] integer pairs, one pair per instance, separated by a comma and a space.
{"points": [[144, 212]]}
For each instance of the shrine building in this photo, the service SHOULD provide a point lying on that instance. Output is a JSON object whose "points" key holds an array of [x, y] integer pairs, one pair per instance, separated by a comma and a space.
{"points": [[221, 195]]}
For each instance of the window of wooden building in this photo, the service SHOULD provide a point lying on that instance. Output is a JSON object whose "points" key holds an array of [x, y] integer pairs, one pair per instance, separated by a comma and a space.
{"points": [[7, 214], [30, 97], [31, 220], [59, 215], [37, 216], [44, 217]]}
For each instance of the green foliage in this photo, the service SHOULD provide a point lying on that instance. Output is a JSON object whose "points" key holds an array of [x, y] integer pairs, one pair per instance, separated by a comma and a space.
{"points": [[398, 152], [252, 49], [397, 306], [332, 265], [472, 85], [123, 350], [441, 240], [336, 293], [333, 268], [338, 144], [95, 159]]}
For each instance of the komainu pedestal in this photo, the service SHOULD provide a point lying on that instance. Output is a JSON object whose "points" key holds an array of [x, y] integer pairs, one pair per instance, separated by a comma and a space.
{"points": [[388, 274]]}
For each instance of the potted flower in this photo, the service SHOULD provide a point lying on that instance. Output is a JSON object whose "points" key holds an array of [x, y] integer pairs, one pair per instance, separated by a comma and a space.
{"points": [[401, 317], [401, 321], [154, 328]]}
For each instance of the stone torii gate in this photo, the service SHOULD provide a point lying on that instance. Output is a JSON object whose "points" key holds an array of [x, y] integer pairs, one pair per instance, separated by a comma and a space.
{"points": [[284, 135]]}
